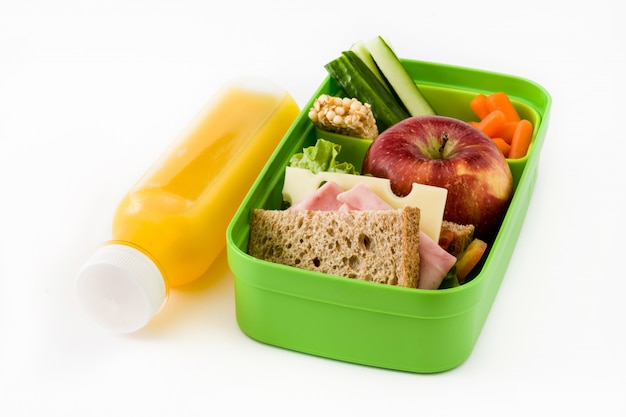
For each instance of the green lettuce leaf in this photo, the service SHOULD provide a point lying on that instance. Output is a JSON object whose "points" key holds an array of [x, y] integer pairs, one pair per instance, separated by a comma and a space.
{"points": [[322, 158]]}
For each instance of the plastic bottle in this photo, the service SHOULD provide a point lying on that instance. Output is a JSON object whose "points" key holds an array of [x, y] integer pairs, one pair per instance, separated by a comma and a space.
{"points": [[171, 225]]}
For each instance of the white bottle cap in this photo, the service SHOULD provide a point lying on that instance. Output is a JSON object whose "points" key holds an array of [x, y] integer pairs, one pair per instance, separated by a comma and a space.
{"points": [[121, 288]]}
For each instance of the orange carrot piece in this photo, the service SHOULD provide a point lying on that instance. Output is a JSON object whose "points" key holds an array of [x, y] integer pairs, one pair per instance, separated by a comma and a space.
{"points": [[507, 130], [521, 139], [504, 147], [480, 105], [492, 123], [473, 123], [445, 238], [470, 258], [500, 101]]}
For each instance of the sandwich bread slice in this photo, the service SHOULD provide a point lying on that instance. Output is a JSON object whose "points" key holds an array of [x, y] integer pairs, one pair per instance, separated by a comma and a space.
{"points": [[454, 237], [371, 245]]}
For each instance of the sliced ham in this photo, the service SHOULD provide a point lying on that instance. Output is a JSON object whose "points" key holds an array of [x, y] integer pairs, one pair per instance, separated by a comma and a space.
{"points": [[323, 199], [435, 263], [361, 197]]}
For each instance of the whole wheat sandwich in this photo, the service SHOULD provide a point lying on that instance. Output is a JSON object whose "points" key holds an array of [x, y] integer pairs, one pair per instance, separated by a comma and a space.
{"points": [[371, 245]]}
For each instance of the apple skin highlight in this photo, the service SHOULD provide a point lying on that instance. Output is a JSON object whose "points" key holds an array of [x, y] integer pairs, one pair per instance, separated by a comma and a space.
{"points": [[449, 153]]}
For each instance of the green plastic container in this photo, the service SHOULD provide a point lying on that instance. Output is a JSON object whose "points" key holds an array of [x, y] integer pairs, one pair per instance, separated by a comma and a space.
{"points": [[367, 323]]}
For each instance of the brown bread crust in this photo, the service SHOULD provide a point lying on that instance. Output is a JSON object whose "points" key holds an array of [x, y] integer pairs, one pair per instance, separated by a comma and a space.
{"points": [[456, 236]]}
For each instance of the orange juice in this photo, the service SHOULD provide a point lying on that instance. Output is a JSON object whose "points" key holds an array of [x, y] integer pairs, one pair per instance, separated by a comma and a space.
{"points": [[171, 225]]}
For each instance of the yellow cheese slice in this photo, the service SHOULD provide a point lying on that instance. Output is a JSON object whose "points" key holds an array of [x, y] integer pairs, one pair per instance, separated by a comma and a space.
{"points": [[300, 183]]}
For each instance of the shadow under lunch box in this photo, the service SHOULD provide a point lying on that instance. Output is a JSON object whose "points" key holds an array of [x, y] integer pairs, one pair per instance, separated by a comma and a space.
{"points": [[367, 323]]}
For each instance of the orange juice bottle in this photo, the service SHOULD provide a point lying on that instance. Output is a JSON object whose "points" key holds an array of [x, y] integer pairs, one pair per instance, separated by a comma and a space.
{"points": [[171, 225]]}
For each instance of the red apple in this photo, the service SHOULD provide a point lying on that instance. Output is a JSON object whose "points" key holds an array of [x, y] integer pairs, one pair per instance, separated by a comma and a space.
{"points": [[450, 153]]}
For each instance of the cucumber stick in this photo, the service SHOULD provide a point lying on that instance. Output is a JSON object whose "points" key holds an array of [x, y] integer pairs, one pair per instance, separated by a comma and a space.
{"points": [[361, 51], [398, 78], [359, 82]]}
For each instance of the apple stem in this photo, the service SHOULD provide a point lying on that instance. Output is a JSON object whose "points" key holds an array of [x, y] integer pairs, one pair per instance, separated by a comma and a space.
{"points": [[444, 140]]}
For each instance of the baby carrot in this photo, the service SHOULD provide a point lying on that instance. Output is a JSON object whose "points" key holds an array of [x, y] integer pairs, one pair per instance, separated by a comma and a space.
{"points": [[504, 147], [521, 139], [492, 123], [500, 101], [480, 105], [507, 130]]}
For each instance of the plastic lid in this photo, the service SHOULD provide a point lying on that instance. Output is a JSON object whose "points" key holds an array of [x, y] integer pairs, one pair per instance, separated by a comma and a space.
{"points": [[121, 288]]}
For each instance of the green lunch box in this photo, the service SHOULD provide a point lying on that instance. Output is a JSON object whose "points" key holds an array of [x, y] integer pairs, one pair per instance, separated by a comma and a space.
{"points": [[378, 325]]}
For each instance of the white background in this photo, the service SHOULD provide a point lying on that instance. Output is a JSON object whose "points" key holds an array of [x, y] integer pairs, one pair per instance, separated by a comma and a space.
{"points": [[91, 93]]}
